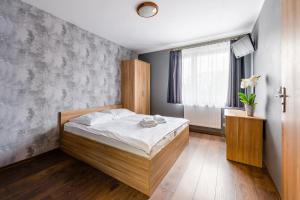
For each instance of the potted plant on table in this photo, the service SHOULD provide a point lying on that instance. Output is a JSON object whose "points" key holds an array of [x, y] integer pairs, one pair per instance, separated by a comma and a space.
{"points": [[248, 98]]}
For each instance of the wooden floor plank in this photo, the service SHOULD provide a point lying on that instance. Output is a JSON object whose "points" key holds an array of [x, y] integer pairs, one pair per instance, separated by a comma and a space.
{"points": [[207, 181], [245, 188], [26, 188], [264, 187], [87, 180], [168, 186], [226, 186], [188, 182], [15, 172], [201, 172]]}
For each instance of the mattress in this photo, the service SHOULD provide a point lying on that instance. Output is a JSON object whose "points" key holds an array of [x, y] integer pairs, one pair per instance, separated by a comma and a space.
{"points": [[126, 134]]}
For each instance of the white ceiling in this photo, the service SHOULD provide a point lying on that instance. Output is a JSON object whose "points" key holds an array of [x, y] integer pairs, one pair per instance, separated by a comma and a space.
{"points": [[178, 22]]}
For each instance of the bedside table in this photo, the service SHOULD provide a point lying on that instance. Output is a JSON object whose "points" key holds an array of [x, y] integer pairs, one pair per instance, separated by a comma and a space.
{"points": [[244, 137]]}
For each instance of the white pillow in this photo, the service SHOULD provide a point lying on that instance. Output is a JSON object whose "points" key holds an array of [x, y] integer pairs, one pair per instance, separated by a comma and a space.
{"points": [[119, 113], [93, 118]]}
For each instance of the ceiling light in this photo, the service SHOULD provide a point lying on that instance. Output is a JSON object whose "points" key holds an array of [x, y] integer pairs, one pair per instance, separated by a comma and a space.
{"points": [[147, 9]]}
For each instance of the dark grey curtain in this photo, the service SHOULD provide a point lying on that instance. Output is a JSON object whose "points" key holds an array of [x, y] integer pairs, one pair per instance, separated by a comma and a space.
{"points": [[236, 74], [175, 77]]}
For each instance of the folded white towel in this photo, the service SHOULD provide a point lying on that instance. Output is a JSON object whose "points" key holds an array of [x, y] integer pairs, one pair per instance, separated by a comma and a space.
{"points": [[159, 119], [148, 119], [148, 125], [148, 122]]}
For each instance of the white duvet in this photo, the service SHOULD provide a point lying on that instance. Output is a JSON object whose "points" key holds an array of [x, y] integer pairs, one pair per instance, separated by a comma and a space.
{"points": [[128, 130]]}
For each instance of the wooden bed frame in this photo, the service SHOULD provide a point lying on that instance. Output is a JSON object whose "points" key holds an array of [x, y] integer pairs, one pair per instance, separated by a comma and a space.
{"points": [[136, 171]]}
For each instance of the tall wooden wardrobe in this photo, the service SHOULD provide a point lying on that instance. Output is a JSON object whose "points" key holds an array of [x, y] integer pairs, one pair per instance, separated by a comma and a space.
{"points": [[136, 86]]}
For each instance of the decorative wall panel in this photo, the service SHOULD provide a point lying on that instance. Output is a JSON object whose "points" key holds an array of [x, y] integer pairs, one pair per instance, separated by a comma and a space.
{"points": [[48, 65]]}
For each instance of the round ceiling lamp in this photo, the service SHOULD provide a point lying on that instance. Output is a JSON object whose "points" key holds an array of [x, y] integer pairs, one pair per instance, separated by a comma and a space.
{"points": [[147, 9]]}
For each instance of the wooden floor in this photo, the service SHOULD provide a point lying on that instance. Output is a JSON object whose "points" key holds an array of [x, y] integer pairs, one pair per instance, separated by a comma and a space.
{"points": [[201, 172]]}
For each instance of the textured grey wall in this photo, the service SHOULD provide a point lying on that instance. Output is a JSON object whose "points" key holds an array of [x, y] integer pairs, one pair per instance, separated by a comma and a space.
{"points": [[48, 65], [267, 62], [159, 84]]}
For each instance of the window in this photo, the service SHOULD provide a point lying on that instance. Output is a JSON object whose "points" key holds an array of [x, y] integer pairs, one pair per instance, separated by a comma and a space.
{"points": [[205, 73]]}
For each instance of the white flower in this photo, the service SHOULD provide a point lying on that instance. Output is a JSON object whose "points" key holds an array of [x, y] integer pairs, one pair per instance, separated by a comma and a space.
{"points": [[249, 82], [245, 83], [253, 80]]}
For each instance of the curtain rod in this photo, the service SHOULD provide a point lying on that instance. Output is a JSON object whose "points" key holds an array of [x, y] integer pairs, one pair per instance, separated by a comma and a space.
{"points": [[209, 42]]}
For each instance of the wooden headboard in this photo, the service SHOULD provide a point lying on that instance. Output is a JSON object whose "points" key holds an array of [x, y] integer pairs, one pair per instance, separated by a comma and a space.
{"points": [[64, 117]]}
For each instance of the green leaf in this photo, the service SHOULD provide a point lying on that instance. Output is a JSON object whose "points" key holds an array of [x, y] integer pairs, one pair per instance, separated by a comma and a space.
{"points": [[245, 102], [247, 98], [251, 99], [243, 98], [242, 95]]}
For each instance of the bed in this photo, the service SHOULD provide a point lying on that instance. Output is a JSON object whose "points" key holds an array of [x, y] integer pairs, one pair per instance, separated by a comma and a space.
{"points": [[130, 161]]}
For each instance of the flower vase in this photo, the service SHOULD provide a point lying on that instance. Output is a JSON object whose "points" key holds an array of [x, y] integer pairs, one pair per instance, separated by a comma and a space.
{"points": [[249, 110]]}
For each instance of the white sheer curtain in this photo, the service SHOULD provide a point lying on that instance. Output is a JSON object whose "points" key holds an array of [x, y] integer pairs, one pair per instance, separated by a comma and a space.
{"points": [[205, 73]]}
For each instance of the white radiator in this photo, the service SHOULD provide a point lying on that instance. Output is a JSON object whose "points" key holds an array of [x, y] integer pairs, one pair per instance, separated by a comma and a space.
{"points": [[203, 116]]}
